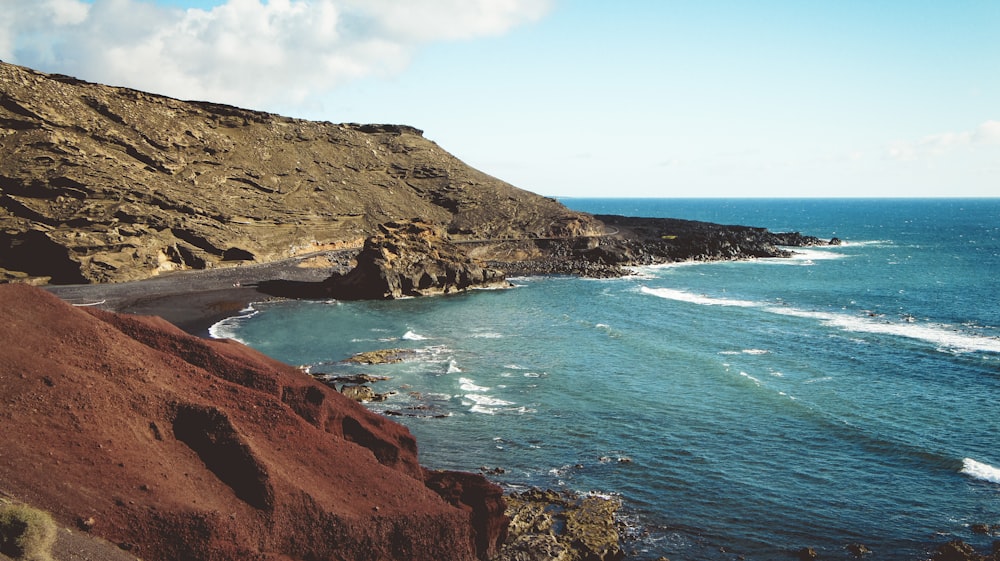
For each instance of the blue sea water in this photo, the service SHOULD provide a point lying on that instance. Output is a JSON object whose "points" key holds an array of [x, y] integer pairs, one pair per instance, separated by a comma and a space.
{"points": [[850, 394]]}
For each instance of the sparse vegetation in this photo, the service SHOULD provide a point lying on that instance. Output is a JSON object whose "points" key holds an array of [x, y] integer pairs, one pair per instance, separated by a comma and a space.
{"points": [[26, 533]]}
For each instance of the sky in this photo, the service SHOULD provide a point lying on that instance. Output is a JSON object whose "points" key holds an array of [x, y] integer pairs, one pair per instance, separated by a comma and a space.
{"points": [[585, 98]]}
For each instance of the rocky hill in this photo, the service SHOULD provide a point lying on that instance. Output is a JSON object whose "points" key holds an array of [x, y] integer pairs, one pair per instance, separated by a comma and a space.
{"points": [[106, 184], [176, 447]]}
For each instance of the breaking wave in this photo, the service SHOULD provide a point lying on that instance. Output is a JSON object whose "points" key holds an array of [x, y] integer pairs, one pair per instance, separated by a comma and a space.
{"points": [[941, 335], [981, 471]]}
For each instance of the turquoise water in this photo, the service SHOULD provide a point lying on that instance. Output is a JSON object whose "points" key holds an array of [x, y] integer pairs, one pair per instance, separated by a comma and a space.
{"points": [[849, 394]]}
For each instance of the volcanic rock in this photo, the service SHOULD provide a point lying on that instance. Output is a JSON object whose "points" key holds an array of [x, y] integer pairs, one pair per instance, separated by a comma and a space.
{"points": [[958, 550], [561, 526], [411, 259], [99, 184], [184, 448]]}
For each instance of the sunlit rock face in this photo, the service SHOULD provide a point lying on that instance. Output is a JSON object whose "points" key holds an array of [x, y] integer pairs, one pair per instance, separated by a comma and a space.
{"points": [[100, 184]]}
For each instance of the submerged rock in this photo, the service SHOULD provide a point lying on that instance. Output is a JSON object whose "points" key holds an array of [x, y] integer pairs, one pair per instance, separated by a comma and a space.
{"points": [[958, 550], [381, 356], [363, 393]]}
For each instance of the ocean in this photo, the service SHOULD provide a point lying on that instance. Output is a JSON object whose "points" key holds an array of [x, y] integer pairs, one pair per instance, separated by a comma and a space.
{"points": [[849, 394]]}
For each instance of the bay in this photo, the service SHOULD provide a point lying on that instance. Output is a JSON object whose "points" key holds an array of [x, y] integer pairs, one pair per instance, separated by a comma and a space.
{"points": [[846, 395]]}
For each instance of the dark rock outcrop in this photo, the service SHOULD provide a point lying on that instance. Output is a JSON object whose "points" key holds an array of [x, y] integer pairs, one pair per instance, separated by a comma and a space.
{"points": [[411, 259], [631, 241], [178, 447], [958, 550]]}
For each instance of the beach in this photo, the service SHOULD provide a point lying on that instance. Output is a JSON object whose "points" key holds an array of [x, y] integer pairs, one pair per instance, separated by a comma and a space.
{"points": [[194, 300]]}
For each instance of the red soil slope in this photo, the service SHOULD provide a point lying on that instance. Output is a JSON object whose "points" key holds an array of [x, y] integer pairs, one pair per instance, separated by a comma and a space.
{"points": [[184, 448]]}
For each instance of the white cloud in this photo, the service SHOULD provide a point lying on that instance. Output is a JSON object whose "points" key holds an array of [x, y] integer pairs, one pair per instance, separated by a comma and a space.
{"points": [[938, 144], [252, 53]]}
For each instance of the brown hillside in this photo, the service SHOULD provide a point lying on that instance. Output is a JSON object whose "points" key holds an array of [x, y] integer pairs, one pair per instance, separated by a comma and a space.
{"points": [[183, 448], [100, 183]]}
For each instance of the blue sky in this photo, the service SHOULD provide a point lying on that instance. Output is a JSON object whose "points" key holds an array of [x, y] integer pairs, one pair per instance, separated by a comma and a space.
{"points": [[644, 98]]}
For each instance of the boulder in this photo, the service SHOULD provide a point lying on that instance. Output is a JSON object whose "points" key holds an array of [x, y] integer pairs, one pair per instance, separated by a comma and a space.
{"points": [[411, 258], [362, 393]]}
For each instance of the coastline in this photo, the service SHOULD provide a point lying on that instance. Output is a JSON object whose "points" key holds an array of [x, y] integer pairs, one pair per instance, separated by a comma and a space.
{"points": [[195, 300]]}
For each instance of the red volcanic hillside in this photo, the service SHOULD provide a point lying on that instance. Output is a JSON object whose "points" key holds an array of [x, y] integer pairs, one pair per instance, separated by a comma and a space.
{"points": [[184, 448]]}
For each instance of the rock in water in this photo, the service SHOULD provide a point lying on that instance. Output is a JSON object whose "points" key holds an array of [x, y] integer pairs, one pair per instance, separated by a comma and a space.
{"points": [[411, 258], [561, 526]]}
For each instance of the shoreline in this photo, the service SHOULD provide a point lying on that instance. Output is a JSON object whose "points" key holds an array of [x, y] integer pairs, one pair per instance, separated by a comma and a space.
{"points": [[196, 300]]}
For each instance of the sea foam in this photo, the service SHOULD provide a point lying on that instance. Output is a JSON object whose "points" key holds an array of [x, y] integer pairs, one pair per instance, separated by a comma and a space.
{"points": [[979, 470], [469, 385], [229, 327], [943, 336], [801, 256]]}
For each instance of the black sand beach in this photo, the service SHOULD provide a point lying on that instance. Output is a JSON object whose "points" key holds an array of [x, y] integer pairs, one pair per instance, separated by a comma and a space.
{"points": [[195, 300]]}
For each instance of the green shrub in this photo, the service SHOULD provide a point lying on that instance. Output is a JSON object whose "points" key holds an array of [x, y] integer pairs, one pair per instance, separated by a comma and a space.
{"points": [[26, 533]]}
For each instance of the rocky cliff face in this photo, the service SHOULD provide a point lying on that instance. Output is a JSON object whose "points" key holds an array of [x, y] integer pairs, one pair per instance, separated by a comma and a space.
{"points": [[102, 184], [409, 258], [177, 447]]}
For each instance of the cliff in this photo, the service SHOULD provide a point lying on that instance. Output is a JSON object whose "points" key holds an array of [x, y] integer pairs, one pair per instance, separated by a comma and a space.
{"points": [[106, 184], [177, 447]]}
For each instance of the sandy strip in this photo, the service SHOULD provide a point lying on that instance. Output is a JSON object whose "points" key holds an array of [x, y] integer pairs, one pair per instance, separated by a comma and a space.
{"points": [[195, 300]]}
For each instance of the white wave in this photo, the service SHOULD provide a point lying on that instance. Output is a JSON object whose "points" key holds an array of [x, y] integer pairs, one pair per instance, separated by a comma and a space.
{"points": [[433, 351], [485, 404], [487, 335], [857, 243], [228, 327], [700, 299], [746, 352], [487, 400], [453, 367], [944, 336], [801, 256], [469, 385], [979, 470], [412, 336]]}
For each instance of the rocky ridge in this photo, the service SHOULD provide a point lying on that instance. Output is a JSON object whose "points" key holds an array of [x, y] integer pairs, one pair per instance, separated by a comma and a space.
{"points": [[107, 184], [177, 447]]}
